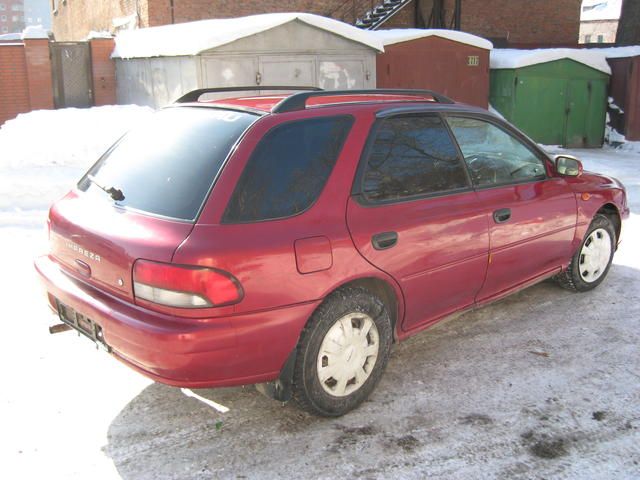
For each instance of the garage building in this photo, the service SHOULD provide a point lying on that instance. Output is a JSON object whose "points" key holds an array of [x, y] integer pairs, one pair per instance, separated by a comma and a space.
{"points": [[625, 90], [556, 96], [155, 66], [453, 63]]}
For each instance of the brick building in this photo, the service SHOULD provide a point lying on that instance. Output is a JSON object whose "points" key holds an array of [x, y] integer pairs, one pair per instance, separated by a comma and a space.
{"points": [[11, 16], [506, 22]]}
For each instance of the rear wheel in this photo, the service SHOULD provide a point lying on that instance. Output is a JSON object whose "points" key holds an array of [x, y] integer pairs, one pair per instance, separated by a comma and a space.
{"points": [[342, 352], [590, 264]]}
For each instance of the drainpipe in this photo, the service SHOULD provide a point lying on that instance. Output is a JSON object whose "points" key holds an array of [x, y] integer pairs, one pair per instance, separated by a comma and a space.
{"points": [[458, 14]]}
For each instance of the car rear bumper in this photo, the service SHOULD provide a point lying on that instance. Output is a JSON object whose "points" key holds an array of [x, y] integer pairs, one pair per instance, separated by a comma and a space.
{"points": [[209, 352]]}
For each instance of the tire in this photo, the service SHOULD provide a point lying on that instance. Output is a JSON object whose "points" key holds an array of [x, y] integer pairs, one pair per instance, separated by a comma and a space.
{"points": [[587, 270], [349, 368]]}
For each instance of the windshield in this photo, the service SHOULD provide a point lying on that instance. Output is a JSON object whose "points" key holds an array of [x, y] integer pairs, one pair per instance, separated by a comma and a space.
{"points": [[167, 166]]}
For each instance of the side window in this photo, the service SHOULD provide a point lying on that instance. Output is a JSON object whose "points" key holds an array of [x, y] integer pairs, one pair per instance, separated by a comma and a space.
{"points": [[412, 156], [288, 169], [494, 156]]}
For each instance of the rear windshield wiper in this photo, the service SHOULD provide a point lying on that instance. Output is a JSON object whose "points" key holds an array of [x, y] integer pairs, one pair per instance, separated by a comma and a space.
{"points": [[113, 192]]}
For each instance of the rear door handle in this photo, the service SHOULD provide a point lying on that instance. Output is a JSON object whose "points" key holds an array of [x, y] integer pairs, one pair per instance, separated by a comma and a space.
{"points": [[502, 215], [382, 241]]}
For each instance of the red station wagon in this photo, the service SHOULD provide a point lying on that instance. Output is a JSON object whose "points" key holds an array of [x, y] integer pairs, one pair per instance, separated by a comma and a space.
{"points": [[287, 240]]}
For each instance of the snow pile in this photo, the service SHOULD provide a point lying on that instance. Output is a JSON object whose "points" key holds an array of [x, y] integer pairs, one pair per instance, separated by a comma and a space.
{"points": [[194, 37], [398, 35], [31, 32], [600, 10], [511, 58], [35, 31], [93, 34], [45, 152]]}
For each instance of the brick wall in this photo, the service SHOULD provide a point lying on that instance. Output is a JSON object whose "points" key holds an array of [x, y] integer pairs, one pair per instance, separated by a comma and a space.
{"points": [[405, 18], [160, 12], [103, 72], [39, 73], [14, 90], [25, 78], [520, 22]]}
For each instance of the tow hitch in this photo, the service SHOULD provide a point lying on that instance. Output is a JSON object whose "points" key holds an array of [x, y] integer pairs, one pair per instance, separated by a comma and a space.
{"points": [[59, 328]]}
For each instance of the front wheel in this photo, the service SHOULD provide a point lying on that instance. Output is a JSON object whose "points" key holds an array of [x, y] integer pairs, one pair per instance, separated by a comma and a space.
{"points": [[342, 352], [590, 264]]}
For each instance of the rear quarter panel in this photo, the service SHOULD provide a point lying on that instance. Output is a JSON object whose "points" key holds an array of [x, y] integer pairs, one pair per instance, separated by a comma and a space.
{"points": [[261, 255]]}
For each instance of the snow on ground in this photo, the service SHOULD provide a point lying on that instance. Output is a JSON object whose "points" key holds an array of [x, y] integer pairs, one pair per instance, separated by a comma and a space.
{"points": [[543, 384], [43, 153]]}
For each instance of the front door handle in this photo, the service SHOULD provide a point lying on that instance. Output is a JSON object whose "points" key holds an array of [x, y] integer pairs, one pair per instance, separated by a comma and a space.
{"points": [[382, 241], [502, 215]]}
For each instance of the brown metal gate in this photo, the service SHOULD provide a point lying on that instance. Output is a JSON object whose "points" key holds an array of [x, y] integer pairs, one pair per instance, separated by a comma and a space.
{"points": [[71, 66]]}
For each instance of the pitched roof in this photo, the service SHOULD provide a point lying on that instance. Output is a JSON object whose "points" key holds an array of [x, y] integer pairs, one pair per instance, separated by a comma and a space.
{"points": [[398, 35], [194, 37], [510, 58]]}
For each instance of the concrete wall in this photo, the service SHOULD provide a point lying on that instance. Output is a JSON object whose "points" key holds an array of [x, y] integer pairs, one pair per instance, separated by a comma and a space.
{"points": [[74, 19], [592, 30]]}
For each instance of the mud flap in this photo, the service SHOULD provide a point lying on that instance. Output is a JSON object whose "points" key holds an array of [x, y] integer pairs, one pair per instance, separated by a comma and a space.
{"points": [[280, 389]]}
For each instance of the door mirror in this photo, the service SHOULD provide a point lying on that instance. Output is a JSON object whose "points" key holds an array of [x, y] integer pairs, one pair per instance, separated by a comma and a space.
{"points": [[568, 166]]}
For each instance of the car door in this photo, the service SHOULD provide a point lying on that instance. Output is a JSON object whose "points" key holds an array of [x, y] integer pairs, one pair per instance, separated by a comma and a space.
{"points": [[414, 215], [531, 213]]}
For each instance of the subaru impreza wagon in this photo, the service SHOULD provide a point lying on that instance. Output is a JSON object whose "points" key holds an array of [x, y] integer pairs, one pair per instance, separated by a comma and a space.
{"points": [[287, 240]]}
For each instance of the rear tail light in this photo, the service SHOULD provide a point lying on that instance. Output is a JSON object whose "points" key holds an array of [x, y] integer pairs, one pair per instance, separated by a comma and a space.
{"points": [[183, 286]]}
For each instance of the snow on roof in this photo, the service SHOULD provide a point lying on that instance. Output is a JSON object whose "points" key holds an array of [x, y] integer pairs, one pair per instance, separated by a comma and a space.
{"points": [[35, 31], [398, 35], [600, 10], [31, 32], [93, 34], [510, 58], [10, 36], [620, 52], [194, 37]]}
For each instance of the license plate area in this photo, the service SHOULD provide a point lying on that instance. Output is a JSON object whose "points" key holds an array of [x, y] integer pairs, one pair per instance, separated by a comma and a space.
{"points": [[82, 324]]}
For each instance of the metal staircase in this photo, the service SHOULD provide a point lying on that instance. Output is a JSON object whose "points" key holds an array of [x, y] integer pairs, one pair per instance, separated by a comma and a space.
{"points": [[376, 14], [375, 17]]}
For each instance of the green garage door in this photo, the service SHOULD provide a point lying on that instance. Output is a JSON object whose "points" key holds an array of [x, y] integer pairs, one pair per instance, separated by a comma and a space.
{"points": [[540, 108], [562, 102]]}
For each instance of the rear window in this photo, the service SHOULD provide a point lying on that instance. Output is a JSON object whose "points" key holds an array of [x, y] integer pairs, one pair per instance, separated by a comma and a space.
{"points": [[288, 169], [167, 166]]}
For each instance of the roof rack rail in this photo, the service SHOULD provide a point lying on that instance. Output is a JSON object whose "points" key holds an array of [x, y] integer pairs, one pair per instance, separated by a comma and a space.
{"points": [[298, 101], [194, 95]]}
